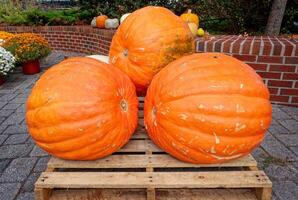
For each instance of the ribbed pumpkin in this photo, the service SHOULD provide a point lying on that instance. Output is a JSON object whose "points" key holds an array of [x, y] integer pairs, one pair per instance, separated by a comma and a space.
{"points": [[82, 109], [207, 108], [148, 40], [189, 17], [100, 21]]}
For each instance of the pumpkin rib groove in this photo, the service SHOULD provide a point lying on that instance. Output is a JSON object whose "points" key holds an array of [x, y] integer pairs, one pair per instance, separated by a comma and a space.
{"points": [[188, 147], [174, 123]]}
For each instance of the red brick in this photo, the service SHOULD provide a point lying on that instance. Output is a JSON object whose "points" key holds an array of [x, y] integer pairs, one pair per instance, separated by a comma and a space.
{"points": [[267, 48], [278, 83], [270, 59], [285, 91], [270, 75], [249, 58], [260, 67], [282, 68], [296, 85], [273, 90], [279, 98], [294, 99], [290, 76], [291, 60]]}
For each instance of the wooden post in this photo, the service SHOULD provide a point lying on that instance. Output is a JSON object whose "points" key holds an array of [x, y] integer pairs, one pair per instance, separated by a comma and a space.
{"points": [[42, 193], [264, 193], [150, 190]]}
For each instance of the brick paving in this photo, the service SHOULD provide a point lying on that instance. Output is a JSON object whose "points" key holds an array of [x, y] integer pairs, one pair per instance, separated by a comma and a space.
{"points": [[21, 161]]}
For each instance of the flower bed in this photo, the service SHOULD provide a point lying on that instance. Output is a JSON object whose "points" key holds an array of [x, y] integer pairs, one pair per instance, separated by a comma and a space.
{"points": [[275, 59]]}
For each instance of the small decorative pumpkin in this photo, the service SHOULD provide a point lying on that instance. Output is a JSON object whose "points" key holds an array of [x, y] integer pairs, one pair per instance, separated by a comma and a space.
{"points": [[143, 45], [189, 17], [93, 22], [111, 23], [100, 21], [123, 17], [207, 108], [101, 58], [193, 28], [82, 109]]}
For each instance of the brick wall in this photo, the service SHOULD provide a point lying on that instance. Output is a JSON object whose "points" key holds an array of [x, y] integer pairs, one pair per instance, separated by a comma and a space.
{"points": [[274, 58], [83, 39]]}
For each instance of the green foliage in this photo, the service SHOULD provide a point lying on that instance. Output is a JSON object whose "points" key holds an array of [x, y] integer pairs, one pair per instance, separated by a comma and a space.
{"points": [[216, 16]]}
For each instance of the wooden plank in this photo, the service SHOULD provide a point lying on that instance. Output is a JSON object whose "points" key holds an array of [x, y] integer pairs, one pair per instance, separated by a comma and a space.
{"points": [[228, 179], [163, 194], [143, 161], [140, 133], [264, 193], [42, 193], [140, 146]]}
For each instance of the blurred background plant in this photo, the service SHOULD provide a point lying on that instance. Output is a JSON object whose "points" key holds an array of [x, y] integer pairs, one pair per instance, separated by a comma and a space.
{"points": [[216, 16]]}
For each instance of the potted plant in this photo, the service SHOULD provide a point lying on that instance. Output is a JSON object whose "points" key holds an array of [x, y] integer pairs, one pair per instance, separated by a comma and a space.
{"points": [[28, 48], [7, 63], [5, 36]]}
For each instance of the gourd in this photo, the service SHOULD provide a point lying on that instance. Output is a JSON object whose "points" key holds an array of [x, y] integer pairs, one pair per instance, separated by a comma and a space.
{"points": [[207, 108], [102, 58], [143, 45], [111, 23], [123, 17], [100, 21], [93, 22], [82, 109], [190, 17], [193, 28]]}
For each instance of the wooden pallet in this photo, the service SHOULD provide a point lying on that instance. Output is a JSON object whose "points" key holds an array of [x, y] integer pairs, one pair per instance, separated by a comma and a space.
{"points": [[141, 170]]}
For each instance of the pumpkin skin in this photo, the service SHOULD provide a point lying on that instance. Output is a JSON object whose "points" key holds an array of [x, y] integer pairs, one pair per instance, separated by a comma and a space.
{"points": [[189, 17], [143, 44], [207, 108], [82, 109], [123, 17], [100, 21], [193, 28]]}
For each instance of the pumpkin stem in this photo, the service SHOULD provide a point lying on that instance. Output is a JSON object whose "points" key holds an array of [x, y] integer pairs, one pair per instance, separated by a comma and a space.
{"points": [[125, 52], [123, 105]]}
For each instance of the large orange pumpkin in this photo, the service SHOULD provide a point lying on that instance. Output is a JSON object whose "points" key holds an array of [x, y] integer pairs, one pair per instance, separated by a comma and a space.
{"points": [[207, 108], [148, 40], [82, 109]]}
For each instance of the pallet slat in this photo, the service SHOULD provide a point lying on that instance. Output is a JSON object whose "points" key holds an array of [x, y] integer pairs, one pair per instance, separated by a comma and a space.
{"points": [[237, 179], [143, 161], [140, 146]]}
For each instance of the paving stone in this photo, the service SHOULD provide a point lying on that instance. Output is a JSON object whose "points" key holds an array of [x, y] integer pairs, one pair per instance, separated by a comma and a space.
{"points": [[290, 110], [281, 172], [41, 164], [8, 97], [26, 196], [8, 191], [286, 190], [277, 149], [290, 124], [29, 183], [3, 164], [11, 106], [277, 129], [6, 113], [260, 155], [18, 100], [2, 103], [21, 109], [15, 151], [16, 129], [14, 119], [2, 128], [18, 170], [38, 152], [2, 138], [295, 149], [279, 113], [288, 139], [17, 139]]}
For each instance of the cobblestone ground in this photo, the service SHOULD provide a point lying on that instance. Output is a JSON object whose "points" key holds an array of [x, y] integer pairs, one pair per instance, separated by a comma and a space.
{"points": [[21, 161]]}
